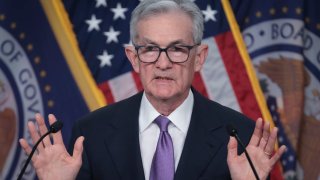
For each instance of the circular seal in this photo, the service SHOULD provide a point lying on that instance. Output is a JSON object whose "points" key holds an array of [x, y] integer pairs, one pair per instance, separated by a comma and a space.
{"points": [[20, 99], [286, 56]]}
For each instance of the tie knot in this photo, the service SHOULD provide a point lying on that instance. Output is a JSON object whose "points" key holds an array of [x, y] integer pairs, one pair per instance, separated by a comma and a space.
{"points": [[162, 122]]}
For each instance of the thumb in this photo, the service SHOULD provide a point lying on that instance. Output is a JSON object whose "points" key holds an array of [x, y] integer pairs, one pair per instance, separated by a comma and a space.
{"points": [[78, 147], [232, 149]]}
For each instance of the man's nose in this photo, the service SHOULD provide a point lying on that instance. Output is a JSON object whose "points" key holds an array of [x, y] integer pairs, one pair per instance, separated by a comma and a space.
{"points": [[163, 61]]}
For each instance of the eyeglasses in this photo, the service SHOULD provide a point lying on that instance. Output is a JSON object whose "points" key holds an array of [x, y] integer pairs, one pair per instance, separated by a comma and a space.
{"points": [[175, 53]]}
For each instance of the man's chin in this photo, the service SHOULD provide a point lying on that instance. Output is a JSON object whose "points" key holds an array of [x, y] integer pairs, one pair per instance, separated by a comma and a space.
{"points": [[162, 94]]}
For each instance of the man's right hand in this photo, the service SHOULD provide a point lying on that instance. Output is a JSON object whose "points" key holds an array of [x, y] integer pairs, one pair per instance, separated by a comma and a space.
{"points": [[52, 161]]}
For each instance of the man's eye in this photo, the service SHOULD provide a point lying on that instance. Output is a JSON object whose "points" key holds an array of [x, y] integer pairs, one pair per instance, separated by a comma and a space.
{"points": [[178, 49], [150, 48]]}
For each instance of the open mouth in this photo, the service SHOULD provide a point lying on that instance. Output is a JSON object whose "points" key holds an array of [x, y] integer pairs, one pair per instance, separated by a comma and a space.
{"points": [[163, 78]]}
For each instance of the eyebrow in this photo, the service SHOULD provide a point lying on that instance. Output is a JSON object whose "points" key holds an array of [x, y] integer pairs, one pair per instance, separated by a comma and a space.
{"points": [[149, 41]]}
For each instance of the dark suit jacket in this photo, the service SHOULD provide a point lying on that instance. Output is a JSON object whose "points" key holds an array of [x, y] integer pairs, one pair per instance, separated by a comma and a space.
{"points": [[112, 151]]}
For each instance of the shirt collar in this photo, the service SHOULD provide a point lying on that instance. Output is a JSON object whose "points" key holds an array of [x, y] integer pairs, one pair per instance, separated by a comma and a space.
{"points": [[180, 117]]}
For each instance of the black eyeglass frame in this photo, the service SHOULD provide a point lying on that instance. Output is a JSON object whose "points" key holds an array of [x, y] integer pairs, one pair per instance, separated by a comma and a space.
{"points": [[189, 47]]}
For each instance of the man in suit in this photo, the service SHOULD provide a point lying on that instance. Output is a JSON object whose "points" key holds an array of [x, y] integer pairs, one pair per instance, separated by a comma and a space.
{"points": [[168, 131]]}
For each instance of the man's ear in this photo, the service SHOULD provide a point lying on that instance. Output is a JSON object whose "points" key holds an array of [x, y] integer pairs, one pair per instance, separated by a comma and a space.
{"points": [[133, 57], [201, 56]]}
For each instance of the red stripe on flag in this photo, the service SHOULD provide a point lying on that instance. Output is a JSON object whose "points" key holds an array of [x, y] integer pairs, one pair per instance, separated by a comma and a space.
{"points": [[276, 173], [137, 81], [238, 75], [105, 88], [198, 84]]}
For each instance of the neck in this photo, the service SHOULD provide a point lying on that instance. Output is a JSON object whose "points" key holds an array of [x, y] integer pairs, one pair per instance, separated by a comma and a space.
{"points": [[166, 106]]}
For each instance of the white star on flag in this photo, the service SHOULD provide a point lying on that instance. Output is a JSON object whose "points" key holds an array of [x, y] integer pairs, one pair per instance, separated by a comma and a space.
{"points": [[105, 59], [112, 35], [119, 12], [209, 14], [93, 23], [101, 3]]}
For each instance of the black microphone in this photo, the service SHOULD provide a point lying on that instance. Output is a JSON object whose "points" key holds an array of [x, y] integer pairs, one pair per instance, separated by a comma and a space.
{"points": [[233, 132], [55, 127]]}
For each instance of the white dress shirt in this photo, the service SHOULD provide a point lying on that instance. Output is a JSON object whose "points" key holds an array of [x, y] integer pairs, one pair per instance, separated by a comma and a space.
{"points": [[149, 131]]}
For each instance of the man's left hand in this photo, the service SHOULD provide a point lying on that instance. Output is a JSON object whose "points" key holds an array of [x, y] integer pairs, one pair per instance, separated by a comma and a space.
{"points": [[261, 151]]}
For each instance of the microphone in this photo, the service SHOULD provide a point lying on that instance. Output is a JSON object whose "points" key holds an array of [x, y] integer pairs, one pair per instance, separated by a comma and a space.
{"points": [[55, 127], [233, 132]]}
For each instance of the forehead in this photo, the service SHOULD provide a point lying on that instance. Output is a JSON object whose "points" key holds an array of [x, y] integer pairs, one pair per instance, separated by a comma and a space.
{"points": [[164, 28]]}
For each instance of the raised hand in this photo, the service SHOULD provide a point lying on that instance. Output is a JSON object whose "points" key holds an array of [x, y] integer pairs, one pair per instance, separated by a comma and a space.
{"points": [[52, 161], [260, 150]]}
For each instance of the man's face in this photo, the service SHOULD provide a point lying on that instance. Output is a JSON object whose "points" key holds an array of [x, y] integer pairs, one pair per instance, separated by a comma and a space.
{"points": [[164, 80]]}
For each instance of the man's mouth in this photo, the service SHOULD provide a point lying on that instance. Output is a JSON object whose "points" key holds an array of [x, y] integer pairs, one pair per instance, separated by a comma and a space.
{"points": [[163, 78]]}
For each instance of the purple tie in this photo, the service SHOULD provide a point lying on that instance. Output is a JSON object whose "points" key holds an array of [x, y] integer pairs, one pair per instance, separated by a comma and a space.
{"points": [[162, 167]]}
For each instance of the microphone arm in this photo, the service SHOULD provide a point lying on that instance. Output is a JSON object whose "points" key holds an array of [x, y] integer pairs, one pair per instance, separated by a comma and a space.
{"points": [[55, 127], [233, 132]]}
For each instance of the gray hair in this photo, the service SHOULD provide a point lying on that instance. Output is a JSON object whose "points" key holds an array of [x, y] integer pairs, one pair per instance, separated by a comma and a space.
{"points": [[149, 8]]}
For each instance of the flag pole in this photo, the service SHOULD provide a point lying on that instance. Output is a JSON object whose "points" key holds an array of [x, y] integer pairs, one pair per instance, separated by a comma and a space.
{"points": [[247, 61], [250, 70], [66, 39]]}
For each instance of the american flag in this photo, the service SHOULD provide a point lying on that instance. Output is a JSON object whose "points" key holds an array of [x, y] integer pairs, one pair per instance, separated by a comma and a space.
{"points": [[288, 159], [102, 31]]}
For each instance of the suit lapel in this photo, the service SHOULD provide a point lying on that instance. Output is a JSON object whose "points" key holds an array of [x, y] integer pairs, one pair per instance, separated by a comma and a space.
{"points": [[123, 141], [202, 142]]}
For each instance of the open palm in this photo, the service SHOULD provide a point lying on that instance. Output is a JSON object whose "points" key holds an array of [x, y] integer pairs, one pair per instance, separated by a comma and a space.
{"points": [[52, 161], [260, 150]]}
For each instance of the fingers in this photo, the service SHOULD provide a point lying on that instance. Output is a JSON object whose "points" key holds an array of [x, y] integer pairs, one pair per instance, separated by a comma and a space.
{"points": [[43, 129], [34, 134], [25, 146], [232, 149], [78, 148], [57, 137], [255, 139], [27, 149], [265, 135], [277, 155], [271, 141]]}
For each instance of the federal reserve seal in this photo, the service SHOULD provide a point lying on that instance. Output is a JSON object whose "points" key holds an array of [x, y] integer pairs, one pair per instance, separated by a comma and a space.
{"points": [[20, 99], [286, 56]]}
